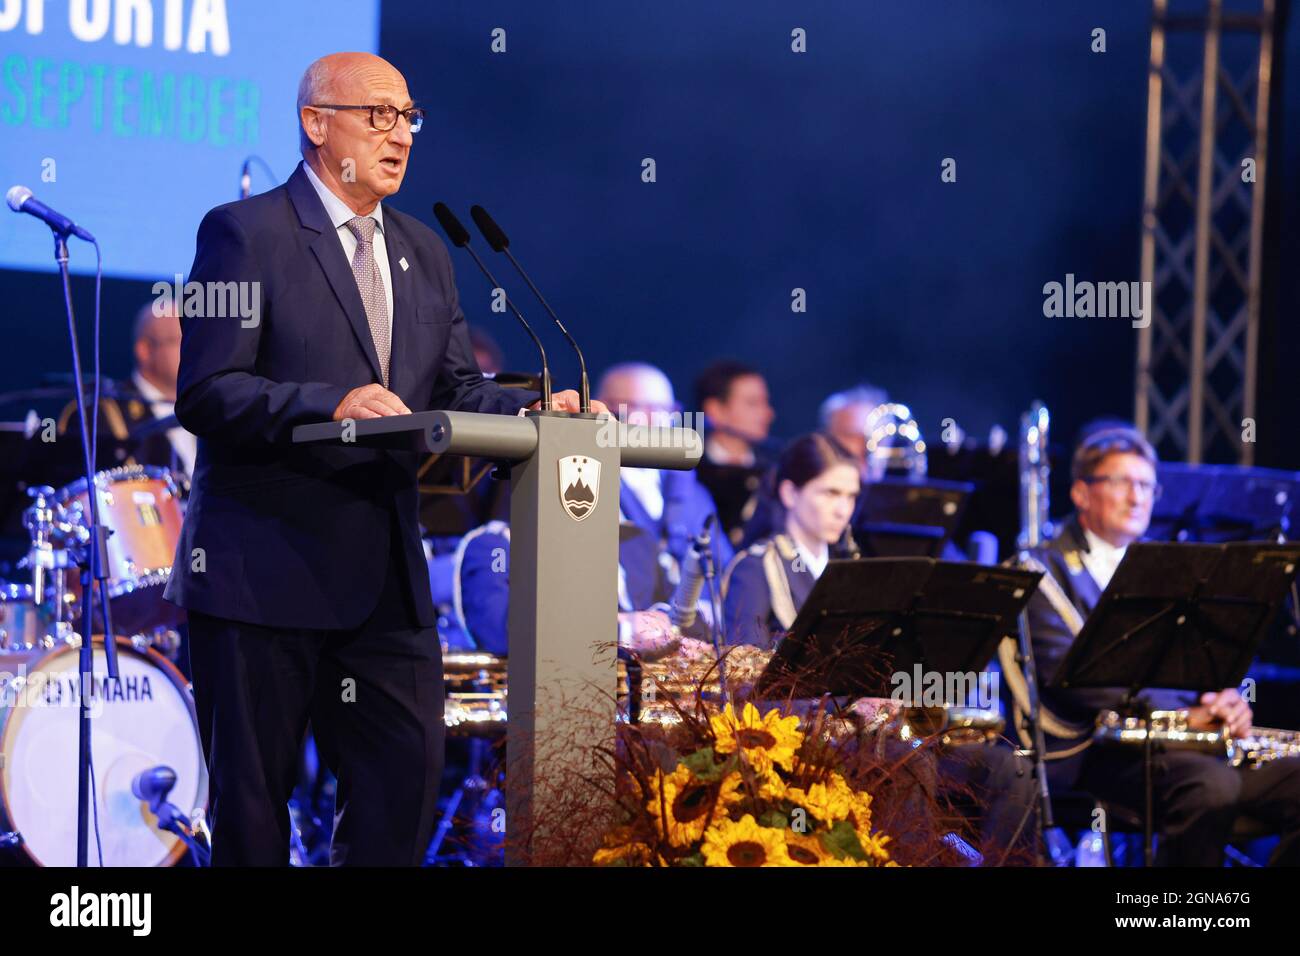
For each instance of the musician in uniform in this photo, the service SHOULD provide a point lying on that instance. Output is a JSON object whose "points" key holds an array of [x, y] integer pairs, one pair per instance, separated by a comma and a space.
{"points": [[817, 482], [733, 397], [843, 416], [672, 507], [1198, 796], [136, 421]]}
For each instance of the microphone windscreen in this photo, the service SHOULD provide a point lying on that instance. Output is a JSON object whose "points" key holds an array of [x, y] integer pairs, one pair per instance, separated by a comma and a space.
{"points": [[457, 233], [493, 233], [16, 196]]}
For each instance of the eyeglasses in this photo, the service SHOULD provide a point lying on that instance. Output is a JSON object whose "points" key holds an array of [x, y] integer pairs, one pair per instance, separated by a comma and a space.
{"points": [[382, 117], [1124, 483]]}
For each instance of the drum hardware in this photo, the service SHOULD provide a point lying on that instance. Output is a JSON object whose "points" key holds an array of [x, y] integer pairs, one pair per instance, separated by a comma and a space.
{"points": [[1170, 730], [20, 618]]}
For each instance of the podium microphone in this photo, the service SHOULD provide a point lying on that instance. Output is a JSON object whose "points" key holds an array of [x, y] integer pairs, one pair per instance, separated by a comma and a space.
{"points": [[459, 237], [20, 199], [497, 239]]}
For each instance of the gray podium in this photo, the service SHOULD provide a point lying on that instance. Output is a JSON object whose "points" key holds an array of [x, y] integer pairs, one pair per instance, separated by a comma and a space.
{"points": [[564, 491]]}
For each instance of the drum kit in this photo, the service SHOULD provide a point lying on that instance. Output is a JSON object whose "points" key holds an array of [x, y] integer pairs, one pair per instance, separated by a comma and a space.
{"points": [[144, 722]]}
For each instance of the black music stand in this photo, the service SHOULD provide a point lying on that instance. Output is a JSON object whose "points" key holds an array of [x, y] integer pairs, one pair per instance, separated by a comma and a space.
{"points": [[1219, 503], [905, 517], [1179, 616], [869, 618]]}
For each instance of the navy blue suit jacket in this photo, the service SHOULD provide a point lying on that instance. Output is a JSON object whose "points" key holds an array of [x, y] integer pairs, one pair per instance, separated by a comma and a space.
{"points": [[687, 504], [288, 535]]}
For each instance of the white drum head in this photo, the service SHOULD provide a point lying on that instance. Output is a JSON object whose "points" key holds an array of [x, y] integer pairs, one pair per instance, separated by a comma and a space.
{"points": [[143, 720]]}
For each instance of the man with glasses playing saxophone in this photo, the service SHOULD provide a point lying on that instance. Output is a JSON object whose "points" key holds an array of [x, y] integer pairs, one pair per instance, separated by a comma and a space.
{"points": [[1198, 796]]}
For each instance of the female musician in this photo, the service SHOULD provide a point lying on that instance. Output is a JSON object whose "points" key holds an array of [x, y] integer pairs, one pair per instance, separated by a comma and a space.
{"points": [[817, 485]]}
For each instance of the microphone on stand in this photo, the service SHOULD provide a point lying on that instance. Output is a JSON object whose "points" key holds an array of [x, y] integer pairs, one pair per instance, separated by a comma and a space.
{"points": [[246, 174], [497, 239], [684, 606], [459, 237], [20, 199], [153, 785]]}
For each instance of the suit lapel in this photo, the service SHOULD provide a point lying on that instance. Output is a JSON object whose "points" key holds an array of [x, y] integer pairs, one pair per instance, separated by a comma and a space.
{"points": [[1072, 545], [403, 305], [329, 253]]}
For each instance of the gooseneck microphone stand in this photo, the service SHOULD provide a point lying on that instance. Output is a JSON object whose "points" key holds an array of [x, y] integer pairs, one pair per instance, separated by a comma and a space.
{"points": [[93, 562], [718, 632]]}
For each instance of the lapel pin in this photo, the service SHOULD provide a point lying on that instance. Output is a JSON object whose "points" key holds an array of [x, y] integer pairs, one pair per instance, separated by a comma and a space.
{"points": [[402, 262]]}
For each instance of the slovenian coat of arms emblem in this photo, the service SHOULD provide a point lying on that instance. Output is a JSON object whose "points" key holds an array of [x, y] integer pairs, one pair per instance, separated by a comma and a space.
{"points": [[579, 485]]}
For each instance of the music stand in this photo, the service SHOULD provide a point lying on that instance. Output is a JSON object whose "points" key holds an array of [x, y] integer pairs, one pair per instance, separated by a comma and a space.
{"points": [[901, 517], [1179, 616], [1220, 503], [869, 617]]}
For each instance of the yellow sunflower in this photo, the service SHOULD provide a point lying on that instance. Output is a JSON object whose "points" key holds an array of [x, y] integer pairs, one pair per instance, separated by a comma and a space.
{"points": [[629, 854], [765, 741], [744, 844], [805, 849], [680, 803], [828, 802], [874, 846], [861, 809], [772, 787], [620, 846], [732, 792]]}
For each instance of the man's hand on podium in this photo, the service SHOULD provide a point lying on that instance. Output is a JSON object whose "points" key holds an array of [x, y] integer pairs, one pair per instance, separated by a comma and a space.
{"points": [[567, 401], [370, 401]]}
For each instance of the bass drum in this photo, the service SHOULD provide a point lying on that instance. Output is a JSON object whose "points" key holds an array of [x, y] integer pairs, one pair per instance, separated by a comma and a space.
{"points": [[144, 719]]}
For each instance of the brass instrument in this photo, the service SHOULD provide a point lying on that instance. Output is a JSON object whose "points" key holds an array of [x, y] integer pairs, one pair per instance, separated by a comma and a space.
{"points": [[894, 443], [954, 726], [1170, 729], [1035, 472], [475, 694]]}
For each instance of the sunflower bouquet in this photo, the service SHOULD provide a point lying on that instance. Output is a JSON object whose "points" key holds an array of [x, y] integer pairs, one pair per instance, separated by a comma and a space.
{"points": [[747, 789]]}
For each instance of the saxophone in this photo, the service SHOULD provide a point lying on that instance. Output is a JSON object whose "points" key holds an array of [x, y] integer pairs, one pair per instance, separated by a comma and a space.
{"points": [[1170, 730]]}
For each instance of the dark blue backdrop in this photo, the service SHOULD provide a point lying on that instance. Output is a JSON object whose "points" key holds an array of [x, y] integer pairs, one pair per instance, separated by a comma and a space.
{"points": [[779, 170]]}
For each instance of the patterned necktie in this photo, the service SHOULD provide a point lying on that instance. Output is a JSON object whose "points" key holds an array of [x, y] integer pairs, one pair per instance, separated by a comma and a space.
{"points": [[370, 283]]}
